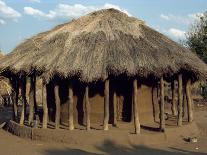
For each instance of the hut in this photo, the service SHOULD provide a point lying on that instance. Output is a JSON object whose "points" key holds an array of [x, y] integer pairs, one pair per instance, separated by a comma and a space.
{"points": [[5, 89], [103, 68], [5, 92]]}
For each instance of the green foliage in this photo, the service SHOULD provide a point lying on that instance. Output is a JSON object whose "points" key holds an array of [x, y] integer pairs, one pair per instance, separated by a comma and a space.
{"points": [[197, 37], [197, 42]]}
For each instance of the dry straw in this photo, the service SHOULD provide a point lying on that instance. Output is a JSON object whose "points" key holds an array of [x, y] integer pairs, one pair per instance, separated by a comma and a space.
{"points": [[99, 44]]}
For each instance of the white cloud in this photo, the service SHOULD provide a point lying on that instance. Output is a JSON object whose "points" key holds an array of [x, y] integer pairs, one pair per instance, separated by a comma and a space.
{"points": [[65, 11], [176, 33], [108, 6], [8, 12], [35, 12], [164, 17], [34, 1], [187, 19], [2, 22], [173, 33], [177, 19], [196, 16]]}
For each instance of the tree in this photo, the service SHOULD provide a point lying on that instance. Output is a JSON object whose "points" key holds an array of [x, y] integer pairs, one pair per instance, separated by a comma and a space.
{"points": [[197, 37], [197, 42]]}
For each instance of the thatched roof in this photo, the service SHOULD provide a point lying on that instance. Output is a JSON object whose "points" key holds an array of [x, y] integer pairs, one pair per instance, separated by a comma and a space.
{"points": [[5, 88], [1, 54], [99, 44]]}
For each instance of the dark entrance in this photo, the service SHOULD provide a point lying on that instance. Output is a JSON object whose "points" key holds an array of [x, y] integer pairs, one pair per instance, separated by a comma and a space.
{"points": [[123, 87]]}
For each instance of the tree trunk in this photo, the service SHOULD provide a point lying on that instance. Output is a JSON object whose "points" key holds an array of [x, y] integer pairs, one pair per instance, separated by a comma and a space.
{"points": [[32, 96], [44, 105], [87, 109], [180, 98], [189, 101], [162, 105], [57, 104], [115, 108], [173, 88], [106, 105], [70, 97], [24, 101], [135, 107]]}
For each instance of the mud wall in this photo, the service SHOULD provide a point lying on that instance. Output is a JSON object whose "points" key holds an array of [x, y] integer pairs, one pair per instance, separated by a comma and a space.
{"points": [[124, 105], [18, 130]]}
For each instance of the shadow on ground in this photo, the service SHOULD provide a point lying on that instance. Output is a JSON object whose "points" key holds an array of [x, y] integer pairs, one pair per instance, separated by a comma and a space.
{"points": [[110, 148]]}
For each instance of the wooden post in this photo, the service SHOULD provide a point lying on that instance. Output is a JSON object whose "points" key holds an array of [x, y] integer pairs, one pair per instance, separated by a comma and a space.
{"points": [[87, 109], [135, 107], [184, 100], [180, 98], [70, 110], [189, 101], [44, 105], [162, 105], [15, 87], [57, 104], [23, 94], [115, 108], [173, 88], [106, 105], [154, 101], [132, 110], [32, 96]]}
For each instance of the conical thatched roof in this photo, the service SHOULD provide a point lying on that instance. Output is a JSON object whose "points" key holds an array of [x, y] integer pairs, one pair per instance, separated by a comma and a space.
{"points": [[103, 43]]}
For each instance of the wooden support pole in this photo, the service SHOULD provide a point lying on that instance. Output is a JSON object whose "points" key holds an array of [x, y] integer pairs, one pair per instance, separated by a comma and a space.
{"points": [[135, 107], [87, 109], [23, 94], [132, 110], [184, 100], [162, 105], [16, 98], [70, 97], [189, 101], [115, 108], [106, 105], [15, 94], [32, 96], [119, 108], [180, 100], [44, 105], [173, 89], [57, 104], [154, 101]]}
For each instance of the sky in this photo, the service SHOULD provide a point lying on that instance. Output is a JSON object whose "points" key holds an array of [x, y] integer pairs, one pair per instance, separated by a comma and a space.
{"points": [[21, 19]]}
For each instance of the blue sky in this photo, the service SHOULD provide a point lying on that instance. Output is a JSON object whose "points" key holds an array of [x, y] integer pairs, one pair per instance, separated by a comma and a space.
{"points": [[21, 19]]}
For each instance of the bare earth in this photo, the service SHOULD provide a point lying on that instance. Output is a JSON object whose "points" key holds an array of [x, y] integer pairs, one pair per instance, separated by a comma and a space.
{"points": [[12, 145]]}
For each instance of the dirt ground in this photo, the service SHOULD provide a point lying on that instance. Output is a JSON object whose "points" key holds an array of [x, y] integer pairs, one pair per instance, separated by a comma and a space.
{"points": [[12, 145]]}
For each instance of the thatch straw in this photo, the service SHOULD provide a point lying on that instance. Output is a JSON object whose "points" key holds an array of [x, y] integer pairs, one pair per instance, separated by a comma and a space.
{"points": [[100, 44], [5, 88]]}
